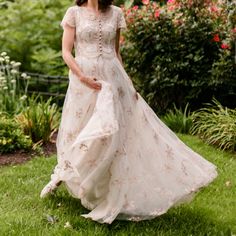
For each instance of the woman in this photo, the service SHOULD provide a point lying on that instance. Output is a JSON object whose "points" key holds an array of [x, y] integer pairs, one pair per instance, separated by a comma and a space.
{"points": [[113, 152]]}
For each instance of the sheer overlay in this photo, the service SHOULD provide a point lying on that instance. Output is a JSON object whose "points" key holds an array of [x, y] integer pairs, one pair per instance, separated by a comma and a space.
{"points": [[113, 152]]}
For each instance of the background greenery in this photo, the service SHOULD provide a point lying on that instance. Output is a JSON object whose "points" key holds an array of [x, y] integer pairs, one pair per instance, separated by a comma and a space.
{"points": [[30, 33], [179, 54], [171, 51], [182, 52]]}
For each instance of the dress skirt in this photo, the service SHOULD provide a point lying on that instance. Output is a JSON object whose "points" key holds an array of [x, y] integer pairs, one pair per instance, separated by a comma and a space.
{"points": [[116, 155]]}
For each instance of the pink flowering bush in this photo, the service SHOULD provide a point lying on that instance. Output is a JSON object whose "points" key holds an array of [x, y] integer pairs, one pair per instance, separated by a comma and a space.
{"points": [[183, 51]]}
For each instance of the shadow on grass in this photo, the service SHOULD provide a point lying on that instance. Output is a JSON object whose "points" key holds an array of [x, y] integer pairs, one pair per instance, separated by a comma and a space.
{"points": [[181, 220]]}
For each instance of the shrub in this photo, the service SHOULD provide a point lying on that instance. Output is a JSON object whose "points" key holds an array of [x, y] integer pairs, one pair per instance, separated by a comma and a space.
{"points": [[180, 52], [13, 86], [39, 119], [216, 125], [30, 33], [12, 138], [177, 120]]}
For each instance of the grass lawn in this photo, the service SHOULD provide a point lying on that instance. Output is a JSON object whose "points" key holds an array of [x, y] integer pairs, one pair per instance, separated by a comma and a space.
{"points": [[22, 212]]}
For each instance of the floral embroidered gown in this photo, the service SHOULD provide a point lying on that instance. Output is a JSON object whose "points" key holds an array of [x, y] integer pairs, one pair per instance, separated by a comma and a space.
{"points": [[113, 152]]}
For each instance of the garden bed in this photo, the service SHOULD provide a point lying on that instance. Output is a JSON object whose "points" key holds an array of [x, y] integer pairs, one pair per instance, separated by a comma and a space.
{"points": [[20, 157]]}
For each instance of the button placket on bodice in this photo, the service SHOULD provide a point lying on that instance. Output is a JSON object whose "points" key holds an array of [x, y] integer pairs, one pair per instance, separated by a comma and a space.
{"points": [[100, 35], [98, 23]]}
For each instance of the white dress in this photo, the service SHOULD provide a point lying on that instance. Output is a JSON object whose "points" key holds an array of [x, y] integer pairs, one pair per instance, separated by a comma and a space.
{"points": [[113, 152]]}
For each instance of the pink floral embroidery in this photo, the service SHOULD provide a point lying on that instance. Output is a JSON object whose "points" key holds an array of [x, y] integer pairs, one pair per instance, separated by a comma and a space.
{"points": [[83, 147], [144, 118], [92, 163], [183, 168], [155, 136], [70, 136], [169, 151], [128, 205], [119, 182], [67, 165], [167, 167], [104, 141], [121, 92], [79, 113], [129, 111]]}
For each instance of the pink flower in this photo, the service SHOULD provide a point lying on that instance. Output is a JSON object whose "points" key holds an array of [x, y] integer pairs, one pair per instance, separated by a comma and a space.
{"points": [[234, 30], [171, 8], [145, 2], [122, 39], [130, 20], [216, 38], [157, 14], [128, 12], [135, 7], [214, 8], [154, 4], [224, 46], [170, 1]]}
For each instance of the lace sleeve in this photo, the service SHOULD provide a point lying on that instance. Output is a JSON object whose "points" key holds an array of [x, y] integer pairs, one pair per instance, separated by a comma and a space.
{"points": [[121, 20], [69, 18]]}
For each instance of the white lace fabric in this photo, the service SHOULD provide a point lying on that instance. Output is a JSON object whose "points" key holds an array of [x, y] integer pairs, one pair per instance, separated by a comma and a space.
{"points": [[95, 34], [113, 152]]}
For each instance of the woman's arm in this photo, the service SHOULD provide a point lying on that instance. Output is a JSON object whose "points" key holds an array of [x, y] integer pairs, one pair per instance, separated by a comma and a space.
{"points": [[67, 46], [68, 39]]}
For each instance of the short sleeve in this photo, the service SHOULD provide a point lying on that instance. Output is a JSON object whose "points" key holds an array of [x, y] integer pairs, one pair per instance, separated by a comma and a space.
{"points": [[121, 20], [69, 18]]}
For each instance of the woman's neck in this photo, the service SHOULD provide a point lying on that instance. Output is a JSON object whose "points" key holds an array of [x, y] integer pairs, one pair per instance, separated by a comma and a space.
{"points": [[93, 5]]}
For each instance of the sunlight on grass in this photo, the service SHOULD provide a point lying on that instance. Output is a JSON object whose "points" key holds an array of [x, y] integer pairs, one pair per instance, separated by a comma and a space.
{"points": [[22, 212]]}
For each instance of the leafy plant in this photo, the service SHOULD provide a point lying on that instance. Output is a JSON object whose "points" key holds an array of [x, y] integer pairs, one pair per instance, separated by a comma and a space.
{"points": [[177, 120], [180, 52], [216, 125], [40, 119], [11, 136], [13, 86], [31, 32]]}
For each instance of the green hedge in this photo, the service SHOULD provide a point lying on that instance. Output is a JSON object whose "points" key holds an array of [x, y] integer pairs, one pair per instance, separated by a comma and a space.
{"points": [[181, 52], [31, 33]]}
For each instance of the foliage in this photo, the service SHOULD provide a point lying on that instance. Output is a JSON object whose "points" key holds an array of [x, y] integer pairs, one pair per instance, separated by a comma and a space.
{"points": [[31, 34], [40, 119], [11, 136], [180, 52], [13, 86], [177, 120], [216, 125]]}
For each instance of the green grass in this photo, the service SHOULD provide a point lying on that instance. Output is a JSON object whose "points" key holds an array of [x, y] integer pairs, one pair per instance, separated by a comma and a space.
{"points": [[22, 212]]}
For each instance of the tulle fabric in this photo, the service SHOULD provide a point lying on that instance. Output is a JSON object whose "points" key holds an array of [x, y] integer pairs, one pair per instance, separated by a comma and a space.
{"points": [[113, 152]]}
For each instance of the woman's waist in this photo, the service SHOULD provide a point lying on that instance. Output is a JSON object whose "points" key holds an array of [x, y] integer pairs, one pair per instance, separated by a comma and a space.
{"points": [[93, 53]]}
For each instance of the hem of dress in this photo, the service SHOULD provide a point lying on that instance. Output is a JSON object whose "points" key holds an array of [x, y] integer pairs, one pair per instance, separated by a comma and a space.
{"points": [[186, 198]]}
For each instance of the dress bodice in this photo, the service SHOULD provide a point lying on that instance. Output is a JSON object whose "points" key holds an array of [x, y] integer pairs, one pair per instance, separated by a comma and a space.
{"points": [[95, 34]]}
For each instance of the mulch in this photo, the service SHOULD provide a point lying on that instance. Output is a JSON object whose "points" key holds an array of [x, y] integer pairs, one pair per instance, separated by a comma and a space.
{"points": [[20, 157]]}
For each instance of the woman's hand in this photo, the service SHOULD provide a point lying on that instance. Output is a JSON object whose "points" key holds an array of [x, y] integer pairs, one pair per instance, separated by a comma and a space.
{"points": [[91, 82]]}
